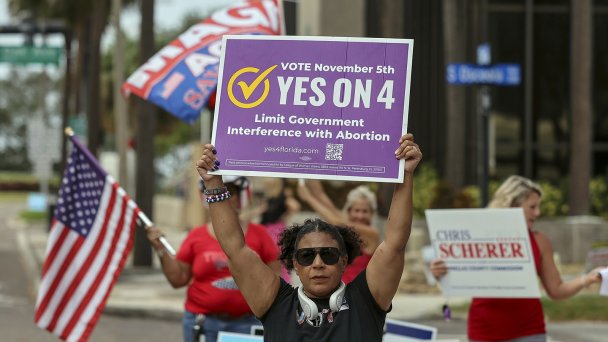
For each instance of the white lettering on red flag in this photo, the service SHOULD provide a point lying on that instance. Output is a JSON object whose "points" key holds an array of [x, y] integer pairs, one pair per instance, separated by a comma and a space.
{"points": [[181, 76]]}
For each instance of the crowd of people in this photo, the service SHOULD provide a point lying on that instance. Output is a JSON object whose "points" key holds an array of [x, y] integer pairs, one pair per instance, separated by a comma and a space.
{"points": [[331, 277]]}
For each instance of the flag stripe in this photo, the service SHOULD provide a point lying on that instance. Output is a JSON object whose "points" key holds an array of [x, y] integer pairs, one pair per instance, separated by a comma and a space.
{"points": [[90, 283], [89, 254], [92, 312], [58, 279], [71, 263], [55, 242]]}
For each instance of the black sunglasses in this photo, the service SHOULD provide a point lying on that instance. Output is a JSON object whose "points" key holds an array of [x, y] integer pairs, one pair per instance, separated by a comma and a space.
{"points": [[329, 255]]}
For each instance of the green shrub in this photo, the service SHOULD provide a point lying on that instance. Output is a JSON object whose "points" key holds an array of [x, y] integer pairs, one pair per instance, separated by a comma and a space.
{"points": [[599, 196], [33, 215], [473, 192], [425, 179], [553, 202]]}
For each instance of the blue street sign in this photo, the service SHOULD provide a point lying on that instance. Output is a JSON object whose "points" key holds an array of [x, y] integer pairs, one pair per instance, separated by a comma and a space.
{"points": [[498, 74]]}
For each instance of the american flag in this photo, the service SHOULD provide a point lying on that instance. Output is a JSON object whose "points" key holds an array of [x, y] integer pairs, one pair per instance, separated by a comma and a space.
{"points": [[90, 238]]}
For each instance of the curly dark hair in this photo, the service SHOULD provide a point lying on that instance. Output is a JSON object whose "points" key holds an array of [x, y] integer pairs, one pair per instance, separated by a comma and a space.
{"points": [[348, 240]]}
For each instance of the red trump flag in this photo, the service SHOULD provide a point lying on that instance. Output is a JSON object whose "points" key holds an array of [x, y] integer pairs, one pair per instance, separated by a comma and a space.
{"points": [[90, 238], [182, 76]]}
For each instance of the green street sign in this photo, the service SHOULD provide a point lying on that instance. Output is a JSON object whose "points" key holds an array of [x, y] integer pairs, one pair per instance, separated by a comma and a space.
{"points": [[30, 54]]}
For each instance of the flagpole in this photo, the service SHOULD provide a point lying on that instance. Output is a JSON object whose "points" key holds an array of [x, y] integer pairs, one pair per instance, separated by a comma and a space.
{"points": [[143, 217]]}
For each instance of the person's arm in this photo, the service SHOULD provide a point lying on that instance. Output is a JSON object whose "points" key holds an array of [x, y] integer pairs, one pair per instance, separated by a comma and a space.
{"points": [[312, 192], [386, 266], [549, 275], [275, 266], [258, 283], [177, 273], [317, 190]]}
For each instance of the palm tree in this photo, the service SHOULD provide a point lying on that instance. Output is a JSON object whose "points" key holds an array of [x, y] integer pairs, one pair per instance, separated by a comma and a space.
{"points": [[88, 20]]}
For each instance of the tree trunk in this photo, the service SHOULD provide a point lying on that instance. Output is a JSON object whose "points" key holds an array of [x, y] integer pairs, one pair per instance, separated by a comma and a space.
{"points": [[454, 45], [580, 103], [94, 104], [391, 18], [146, 120]]}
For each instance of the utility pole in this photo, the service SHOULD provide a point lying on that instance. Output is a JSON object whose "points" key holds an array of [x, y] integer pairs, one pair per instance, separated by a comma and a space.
{"points": [[581, 117], [120, 109], [146, 120]]}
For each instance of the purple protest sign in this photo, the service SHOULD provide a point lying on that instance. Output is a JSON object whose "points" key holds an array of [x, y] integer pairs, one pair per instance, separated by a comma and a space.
{"points": [[312, 107]]}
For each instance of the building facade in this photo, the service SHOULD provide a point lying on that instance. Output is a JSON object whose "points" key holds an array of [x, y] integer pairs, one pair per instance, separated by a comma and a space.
{"points": [[528, 128]]}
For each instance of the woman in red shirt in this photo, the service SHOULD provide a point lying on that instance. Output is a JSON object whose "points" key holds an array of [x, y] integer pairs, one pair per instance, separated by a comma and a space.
{"points": [[521, 319], [202, 265], [357, 213]]}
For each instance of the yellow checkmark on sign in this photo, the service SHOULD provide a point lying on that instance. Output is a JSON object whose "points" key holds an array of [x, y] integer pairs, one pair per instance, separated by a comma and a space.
{"points": [[248, 89]]}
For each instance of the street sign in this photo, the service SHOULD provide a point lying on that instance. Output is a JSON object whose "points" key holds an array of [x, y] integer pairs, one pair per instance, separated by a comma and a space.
{"points": [[43, 147], [30, 54], [498, 74]]}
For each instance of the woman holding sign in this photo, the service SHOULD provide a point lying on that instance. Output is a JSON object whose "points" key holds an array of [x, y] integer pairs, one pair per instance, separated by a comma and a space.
{"points": [[520, 319], [357, 213], [323, 308]]}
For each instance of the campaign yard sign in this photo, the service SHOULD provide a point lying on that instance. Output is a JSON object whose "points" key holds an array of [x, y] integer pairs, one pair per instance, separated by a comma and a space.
{"points": [[312, 107], [487, 251]]}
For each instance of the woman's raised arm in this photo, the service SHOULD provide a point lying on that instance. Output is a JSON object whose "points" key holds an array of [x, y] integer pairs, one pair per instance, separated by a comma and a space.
{"points": [[257, 282], [386, 266]]}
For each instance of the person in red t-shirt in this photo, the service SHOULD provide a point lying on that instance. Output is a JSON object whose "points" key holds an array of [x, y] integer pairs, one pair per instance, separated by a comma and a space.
{"points": [[357, 213], [201, 265], [507, 319]]}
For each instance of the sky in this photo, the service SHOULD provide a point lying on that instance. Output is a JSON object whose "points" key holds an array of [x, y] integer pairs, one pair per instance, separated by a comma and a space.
{"points": [[167, 15]]}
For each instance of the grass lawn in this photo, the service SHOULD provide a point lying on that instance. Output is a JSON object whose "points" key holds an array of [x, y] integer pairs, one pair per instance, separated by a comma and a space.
{"points": [[589, 307], [13, 196], [583, 307], [21, 197]]}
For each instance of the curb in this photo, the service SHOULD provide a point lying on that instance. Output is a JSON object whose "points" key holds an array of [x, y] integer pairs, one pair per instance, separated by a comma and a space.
{"points": [[139, 312], [31, 264]]}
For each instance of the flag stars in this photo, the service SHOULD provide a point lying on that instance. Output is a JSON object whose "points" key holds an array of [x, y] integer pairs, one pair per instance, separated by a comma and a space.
{"points": [[80, 194]]}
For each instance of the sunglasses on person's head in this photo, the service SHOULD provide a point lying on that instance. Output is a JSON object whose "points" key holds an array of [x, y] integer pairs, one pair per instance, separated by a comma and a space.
{"points": [[329, 255]]}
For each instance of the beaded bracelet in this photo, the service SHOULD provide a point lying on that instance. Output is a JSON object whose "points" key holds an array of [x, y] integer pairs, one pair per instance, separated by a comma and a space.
{"points": [[219, 197], [216, 191]]}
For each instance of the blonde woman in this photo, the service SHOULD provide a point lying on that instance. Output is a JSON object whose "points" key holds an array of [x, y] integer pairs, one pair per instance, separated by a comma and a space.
{"points": [[520, 319]]}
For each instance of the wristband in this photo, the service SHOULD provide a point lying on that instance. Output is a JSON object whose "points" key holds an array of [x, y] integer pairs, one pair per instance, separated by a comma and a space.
{"points": [[216, 191], [219, 197]]}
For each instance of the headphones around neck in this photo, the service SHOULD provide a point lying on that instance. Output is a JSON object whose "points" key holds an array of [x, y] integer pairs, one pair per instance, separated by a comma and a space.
{"points": [[310, 308]]}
